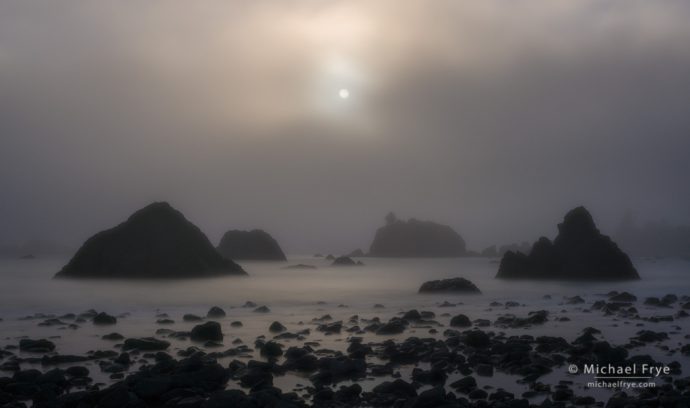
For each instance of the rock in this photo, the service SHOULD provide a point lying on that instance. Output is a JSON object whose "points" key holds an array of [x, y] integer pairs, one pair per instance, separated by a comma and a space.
{"points": [[113, 336], [623, 297], [476, 339], [344, 261], [215, 313], [209, 331], [155, 242], [192, 318], [455, 285], [460, 321], [36, 346], [414, 238], [271, 349], [300, 266], [277, 327], [394, 326], [77, 371], [250, 245], [575, 300], [485, 370], [145, 344], [579, 252], [262, 309], [465, 385], [104, 319]]}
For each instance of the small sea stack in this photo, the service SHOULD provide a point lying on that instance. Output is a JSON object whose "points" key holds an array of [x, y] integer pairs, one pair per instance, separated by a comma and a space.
{"points": [[155, 242], [452, 285], [256, 245]]}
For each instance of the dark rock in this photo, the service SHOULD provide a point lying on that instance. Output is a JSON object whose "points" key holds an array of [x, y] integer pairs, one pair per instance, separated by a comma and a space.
{"points": [[250, 245], [104, 319], [113, 336], [262, 309], [155, 242], [623, 297], [416, 238], [456, 285], [271, 349], [485, 370], [192, 318], [215, 313], [300, 266], [344, 261], [575, 300], [36, 346], [478, 393], [145, 344], [394, 326], [460, 321], [465, 385], [209, 331], [476, 339], [277, 327], [579, 252]]}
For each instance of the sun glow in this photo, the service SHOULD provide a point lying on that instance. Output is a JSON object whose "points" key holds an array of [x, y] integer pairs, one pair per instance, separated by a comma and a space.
{"points": [[344, 93]]}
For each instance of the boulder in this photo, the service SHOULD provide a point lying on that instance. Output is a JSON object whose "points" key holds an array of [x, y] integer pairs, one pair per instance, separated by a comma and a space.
{"points": [[209, 331], [300, 266], [145, 344], [36, 346], [579, 252], [155, 242], [103, 319], [215, 313], [460, 321], [250, 245], [456, 285], [414, 238], [344, 261]]}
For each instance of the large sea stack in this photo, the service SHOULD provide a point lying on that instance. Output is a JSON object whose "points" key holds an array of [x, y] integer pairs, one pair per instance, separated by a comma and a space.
{"points": [[250, 245], [414, 238], [155, 242], [579, 252]]}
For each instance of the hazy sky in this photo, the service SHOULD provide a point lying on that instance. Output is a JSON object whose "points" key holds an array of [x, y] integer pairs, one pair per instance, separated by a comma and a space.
{"points": [[493, 116]]}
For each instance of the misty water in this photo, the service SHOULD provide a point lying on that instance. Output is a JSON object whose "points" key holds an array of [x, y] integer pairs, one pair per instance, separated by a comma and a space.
{"points": [[297, 296]]}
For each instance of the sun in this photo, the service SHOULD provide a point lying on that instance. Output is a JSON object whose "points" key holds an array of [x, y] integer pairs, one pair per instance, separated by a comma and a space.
{"points": [[344, 93]]}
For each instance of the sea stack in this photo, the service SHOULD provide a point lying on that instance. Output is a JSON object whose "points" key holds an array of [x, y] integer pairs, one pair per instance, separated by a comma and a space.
{"points": [[255, 245], [414, 238], [579, 252], [155, 242]]}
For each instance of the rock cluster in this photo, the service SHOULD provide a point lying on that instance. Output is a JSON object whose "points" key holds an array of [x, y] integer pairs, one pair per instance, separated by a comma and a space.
{"points": [[579, 252]]}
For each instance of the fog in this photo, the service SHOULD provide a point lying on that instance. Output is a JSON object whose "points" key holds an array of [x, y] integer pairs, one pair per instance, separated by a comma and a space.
{"points": [[494, 117]]}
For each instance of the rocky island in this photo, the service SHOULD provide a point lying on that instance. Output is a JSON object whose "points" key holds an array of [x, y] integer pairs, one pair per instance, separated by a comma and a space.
{"points": [[579, 252], [155, 242], [415, 238], [257, 245]]}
